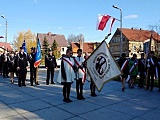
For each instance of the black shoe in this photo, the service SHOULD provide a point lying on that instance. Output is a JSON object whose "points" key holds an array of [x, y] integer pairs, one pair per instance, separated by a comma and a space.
{"points": [[64, 100], [159, 90], [20, 85], [69, 100], [52, 83], [37, 84], [93, 95], [23, 85], [31, 84], [123, 89], [47, 83], [151, 89], [82, 98], [78, 97]]}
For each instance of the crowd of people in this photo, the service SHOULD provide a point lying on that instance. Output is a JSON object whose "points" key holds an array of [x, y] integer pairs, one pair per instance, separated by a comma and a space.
{"points": [[147, 67], [71, 69]]}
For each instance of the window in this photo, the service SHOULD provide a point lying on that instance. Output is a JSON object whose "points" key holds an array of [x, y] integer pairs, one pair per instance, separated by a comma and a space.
{"points": [[123, 39], [62, 49]]}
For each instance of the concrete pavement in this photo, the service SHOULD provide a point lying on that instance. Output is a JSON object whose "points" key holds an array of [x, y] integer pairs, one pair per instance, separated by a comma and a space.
{"points": [[45, 102]]}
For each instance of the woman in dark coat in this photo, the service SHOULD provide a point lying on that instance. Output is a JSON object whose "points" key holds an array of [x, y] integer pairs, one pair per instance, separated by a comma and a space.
{"points": [[11, 65]]}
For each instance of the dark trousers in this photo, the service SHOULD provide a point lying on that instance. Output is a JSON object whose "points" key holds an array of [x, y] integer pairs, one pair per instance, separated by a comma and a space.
{"points": [[32, 75], [141, 80], [5, 70], [79, 87], [21, 77], [66, 90], [92, 88], [50, 72], [150, 80]]}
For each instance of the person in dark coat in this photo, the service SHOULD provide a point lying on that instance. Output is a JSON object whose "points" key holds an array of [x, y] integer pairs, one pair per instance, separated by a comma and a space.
{"points": [[5, 64], [159, 72], [123, 64], [152, 70], [22, 66], [31, 58], [141, 70], [50, 64], [11, 66]]}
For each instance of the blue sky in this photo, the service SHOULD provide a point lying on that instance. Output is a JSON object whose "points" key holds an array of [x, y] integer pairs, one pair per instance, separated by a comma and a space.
{"points": [[75, 16]]}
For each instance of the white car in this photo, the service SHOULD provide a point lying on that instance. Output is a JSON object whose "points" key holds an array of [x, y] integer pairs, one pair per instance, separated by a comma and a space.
{"points": [[58, 62]]}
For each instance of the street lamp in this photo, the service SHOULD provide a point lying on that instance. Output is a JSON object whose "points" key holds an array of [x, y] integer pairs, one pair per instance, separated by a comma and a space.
{"points": [[116, 7], [6, 30]]}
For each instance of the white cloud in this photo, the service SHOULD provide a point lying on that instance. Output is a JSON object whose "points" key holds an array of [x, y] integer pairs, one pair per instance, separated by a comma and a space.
{"points": [[131, 16]]}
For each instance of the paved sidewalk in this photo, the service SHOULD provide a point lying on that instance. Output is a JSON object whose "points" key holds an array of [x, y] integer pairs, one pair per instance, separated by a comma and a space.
{"points": [[46, 102]]}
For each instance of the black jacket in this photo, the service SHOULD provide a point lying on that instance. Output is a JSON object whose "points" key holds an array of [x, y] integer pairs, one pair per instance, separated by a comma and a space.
{"points": [[22, 61], [50, 61]]}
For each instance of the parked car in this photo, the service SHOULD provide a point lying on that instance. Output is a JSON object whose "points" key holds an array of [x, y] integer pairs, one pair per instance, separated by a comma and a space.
{"points": [[58, 62]]}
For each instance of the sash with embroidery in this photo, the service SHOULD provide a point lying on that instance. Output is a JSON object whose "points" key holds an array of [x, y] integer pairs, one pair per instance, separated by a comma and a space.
{"points": [[79, 66], [133, 67], [69, 62], [124, 65], [152, 62]]}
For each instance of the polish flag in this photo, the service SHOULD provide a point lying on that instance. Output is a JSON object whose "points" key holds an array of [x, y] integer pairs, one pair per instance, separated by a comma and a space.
{"points": [[112, 21], [102, 21]]}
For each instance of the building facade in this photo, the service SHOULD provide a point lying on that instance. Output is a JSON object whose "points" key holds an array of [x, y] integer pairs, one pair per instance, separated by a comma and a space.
{"points": [[134, 41], [60, 39]]}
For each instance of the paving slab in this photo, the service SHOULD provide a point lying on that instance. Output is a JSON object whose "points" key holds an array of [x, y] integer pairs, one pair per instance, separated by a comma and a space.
{"points": [[130, 108], [52, 113], [105, 114], [29, 106], [6, 111], [79, 107]]}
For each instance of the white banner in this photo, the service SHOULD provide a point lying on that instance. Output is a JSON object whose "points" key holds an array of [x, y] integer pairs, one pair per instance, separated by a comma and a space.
{"points": [[101, 66]]}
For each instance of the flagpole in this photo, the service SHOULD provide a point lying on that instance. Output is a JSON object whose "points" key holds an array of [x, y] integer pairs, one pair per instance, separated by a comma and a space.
{"points": [[148, 55]]}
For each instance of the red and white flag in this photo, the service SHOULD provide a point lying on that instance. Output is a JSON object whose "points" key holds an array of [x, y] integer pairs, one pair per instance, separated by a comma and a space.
{"points": [[112, 21], [102, 21]]}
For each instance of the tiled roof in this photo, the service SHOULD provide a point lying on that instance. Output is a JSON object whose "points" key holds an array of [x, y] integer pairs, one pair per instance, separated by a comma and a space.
{"points": [[87, 46], [60, 39], [4, 45], [139, 34]]}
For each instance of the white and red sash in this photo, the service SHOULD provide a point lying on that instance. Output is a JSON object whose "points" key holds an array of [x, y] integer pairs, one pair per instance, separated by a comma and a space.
{"points": [[124, 65], [79, 66], [68, 61], [152, 62], [133, 67]]}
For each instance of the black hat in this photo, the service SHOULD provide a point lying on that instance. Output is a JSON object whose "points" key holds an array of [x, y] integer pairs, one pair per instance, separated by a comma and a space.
{"points": [[32, 48], [49, 50], [21, 48]]}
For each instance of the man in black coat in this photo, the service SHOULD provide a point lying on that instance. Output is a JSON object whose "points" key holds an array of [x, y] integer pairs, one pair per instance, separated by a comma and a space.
{"points": [[31, 58], [22, 66], [152, 64], [141, 70], [50, 64]]}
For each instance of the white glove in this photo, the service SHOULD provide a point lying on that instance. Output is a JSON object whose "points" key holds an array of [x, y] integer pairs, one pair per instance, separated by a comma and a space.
{"points": [[148, 65]]}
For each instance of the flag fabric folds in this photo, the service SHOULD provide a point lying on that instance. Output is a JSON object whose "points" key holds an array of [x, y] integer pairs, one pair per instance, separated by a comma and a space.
{"points": [[102, 21], [112, 21], [101, 66], [38, 55], [24, 46]]}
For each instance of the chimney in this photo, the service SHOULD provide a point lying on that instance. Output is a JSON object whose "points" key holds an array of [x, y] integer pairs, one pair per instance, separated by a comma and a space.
{"points": [[49, 33]]}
